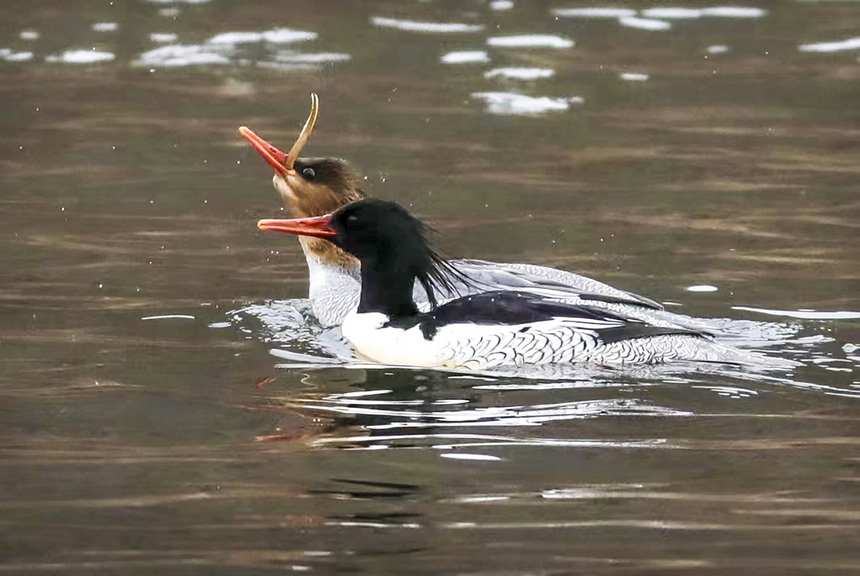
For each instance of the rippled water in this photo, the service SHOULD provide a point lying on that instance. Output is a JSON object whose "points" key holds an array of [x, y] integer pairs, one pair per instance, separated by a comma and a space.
{"points": [[169, 404]]}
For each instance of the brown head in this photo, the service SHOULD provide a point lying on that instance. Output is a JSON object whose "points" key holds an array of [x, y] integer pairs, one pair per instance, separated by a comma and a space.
{"points": [[311, 187]]}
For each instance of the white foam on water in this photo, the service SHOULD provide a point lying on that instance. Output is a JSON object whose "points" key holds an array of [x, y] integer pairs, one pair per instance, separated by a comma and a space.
{"points": [[276, 36], [805, 314], [288, 36], [474, 457], [105, 26], [163, 37], [702, 288], [82, 57], [511, 104], [177, 55], [236, 38], [634, 77], [530, 41], [839, 46], [644, 23], [466, 57], [596, 12], [501, 5], [313, 57], [429, 27], [520, 73], [672, 13], [734, 12], [10, 56]]}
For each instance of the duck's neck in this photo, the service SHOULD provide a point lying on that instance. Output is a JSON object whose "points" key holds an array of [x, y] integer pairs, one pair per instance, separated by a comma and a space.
{"points": [[386, 287]]}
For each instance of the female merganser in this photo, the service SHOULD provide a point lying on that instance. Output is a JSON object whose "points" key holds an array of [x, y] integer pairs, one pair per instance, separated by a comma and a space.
{"points": [[313, 187], [486, 329]]}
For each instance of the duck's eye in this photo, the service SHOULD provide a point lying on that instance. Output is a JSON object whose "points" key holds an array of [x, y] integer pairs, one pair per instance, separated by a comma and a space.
{"points": [[308, 174], [352, 218]]}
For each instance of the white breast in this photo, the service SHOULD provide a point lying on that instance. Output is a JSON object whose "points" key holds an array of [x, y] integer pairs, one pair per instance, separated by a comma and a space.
{"points": [[333, 290], [388, 345]]}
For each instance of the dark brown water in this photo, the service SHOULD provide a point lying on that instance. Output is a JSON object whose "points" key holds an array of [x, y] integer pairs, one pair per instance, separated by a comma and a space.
{"points": [[163, 407]]}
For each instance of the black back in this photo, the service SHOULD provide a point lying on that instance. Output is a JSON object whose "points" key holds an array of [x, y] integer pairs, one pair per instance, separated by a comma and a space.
{"points": [[513, 308]]}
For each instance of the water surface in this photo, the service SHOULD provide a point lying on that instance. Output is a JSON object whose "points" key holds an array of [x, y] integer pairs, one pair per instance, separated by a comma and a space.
{"points": [[168, 404]]}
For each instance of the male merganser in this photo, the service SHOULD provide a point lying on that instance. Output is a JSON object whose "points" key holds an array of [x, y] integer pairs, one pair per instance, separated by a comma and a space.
{"points": [[313, 187], [486, 329]]}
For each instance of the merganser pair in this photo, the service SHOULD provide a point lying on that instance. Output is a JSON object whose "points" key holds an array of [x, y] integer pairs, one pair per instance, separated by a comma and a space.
{"points": [[314, 187], [498, 313], [481, 331]]}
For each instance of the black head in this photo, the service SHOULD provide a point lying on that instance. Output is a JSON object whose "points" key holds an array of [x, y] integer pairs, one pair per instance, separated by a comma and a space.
{"points": [[371, 229], [387, 238], [392, 246]]}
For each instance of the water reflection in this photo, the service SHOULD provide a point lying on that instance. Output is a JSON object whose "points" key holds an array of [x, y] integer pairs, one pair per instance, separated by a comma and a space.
{"points": [[510, 103], [81, 57], [839, 46], [430, 27], [594, 12], [673, 13], [520, 73], [466, 57], [530, 41], [418, 413], [265, 48], [12, 56], [805, 314], [634, 76], [304, 344], [644, 23], [487, 417]]}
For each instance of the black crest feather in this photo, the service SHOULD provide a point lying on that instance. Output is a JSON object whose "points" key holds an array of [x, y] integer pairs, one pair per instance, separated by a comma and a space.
{"points": [[439, 275], [395, 249]]}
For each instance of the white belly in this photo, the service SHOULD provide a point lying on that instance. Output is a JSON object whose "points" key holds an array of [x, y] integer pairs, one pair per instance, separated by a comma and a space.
{"points": [[472, 346], [389, 345], [483, 347]]}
